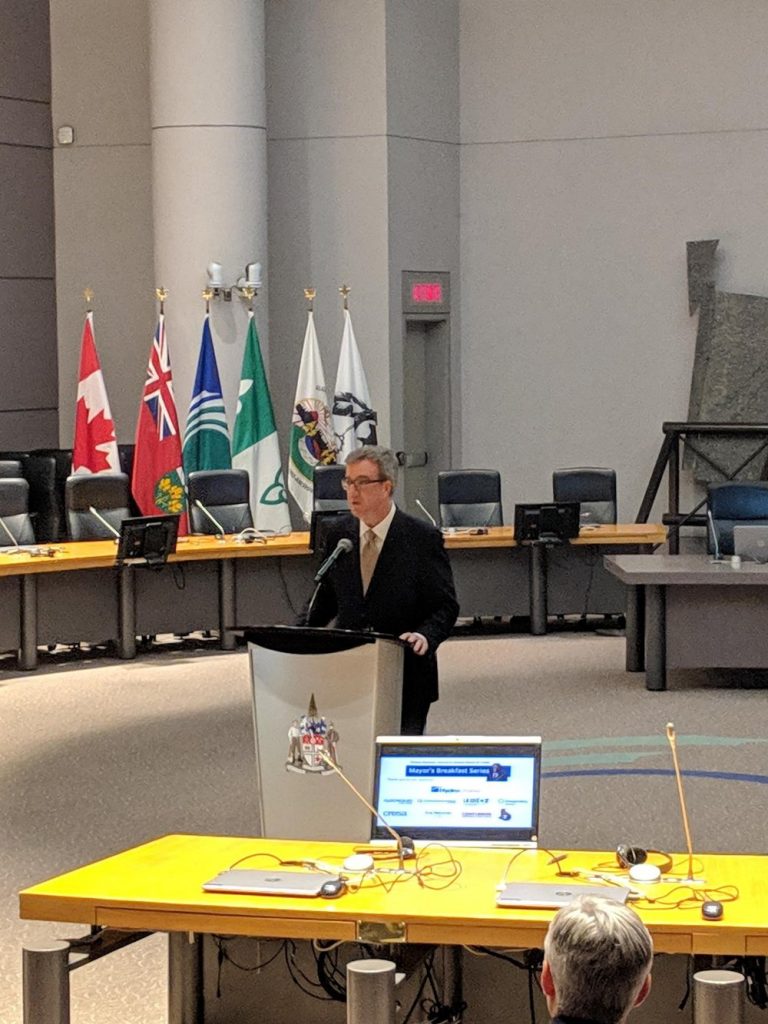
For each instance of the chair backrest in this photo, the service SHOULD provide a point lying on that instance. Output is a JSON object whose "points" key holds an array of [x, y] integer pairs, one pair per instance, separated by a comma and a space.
{"points": [[327, 493], [735, 504], [593, 487], [14, 510], [108, 493], [11, 468], [469, 497], [225, 493]]}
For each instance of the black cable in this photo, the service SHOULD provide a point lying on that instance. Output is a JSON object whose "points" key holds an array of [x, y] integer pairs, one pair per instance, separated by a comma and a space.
{"points": [[296, 973], [178, 574], [223, 955], [417, 999], [284, 584]]}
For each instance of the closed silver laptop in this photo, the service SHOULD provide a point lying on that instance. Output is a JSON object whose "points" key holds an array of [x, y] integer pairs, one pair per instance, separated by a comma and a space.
{"points": [[268, 883], [751, 542], [553, 895]]}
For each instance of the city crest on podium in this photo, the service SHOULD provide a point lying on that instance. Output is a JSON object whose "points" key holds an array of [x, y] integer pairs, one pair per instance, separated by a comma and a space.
{"points": [[308, 737]]}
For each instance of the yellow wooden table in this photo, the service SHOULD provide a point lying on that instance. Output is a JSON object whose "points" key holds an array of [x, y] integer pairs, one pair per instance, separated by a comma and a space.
{"points": [[157, 887]]}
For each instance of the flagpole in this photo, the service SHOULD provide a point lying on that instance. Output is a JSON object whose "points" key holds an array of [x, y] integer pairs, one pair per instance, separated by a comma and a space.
{"points": [[309, 295], [345, 290], [207, 294], [161, 294], [249, 293], [88, 296]]}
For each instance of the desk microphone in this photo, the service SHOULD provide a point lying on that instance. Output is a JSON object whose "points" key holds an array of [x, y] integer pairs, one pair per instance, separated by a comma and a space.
{"points": [[209, 515], [17, 549], [115, 533], [404, 845], [428, 514], [681, 795]]}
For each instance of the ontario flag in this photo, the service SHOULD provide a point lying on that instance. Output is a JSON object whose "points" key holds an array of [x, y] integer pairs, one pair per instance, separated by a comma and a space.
{"points": [[158, 477], [95, 447]]}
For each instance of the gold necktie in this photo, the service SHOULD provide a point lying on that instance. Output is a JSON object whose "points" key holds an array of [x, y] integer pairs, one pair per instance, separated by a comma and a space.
{"points": [[369, 554]]}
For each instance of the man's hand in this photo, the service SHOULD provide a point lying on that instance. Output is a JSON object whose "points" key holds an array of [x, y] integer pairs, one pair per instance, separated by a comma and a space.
{"points": [[418, 642]]}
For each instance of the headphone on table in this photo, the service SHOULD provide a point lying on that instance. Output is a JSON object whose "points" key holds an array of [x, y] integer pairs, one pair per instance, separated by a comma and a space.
{"points": [[634, 859]]}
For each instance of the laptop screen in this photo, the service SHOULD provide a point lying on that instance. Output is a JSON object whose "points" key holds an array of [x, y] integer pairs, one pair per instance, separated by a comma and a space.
{"points": [[460, 790]]}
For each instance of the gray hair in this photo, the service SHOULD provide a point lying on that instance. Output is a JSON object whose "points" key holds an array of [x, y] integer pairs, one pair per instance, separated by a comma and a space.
{"points": [[599, 953], [384, 458]]}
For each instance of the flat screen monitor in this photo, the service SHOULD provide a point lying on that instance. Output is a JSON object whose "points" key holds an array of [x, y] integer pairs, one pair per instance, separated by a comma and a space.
{"points": [[459, 790], [147, 540], [553, 522], [322, 521]]}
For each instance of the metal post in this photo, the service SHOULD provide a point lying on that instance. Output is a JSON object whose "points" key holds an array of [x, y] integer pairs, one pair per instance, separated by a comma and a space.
{"points": [[126, 612], [227, 604], [370, 992], [718, 997], [655, 638], [46, 983], [185, 978], [452, 965], [635, 629], [28, 649], [538, 585]]}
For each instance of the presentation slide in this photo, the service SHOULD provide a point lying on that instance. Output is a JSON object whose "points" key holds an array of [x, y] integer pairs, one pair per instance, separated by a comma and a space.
{"points": [[457, 792]]}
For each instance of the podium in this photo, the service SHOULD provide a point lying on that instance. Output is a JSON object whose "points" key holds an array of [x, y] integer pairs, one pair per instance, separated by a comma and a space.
{"points": [[330, 690]]}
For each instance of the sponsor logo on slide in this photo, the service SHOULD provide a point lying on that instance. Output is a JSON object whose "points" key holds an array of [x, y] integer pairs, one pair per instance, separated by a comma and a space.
{"points": [[468, 800], [476, 814], [442, 789]]}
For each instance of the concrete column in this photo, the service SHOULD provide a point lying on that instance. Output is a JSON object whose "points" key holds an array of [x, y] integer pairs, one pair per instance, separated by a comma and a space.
{"points": [[209, 174]]}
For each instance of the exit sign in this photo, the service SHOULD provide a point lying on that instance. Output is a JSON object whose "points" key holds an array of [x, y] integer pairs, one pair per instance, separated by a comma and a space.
{"points": [[426, 292]]}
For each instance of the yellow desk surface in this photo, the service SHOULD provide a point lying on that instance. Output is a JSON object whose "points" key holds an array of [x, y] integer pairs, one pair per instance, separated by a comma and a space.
{"points": [[157, 887], [100, 554]]}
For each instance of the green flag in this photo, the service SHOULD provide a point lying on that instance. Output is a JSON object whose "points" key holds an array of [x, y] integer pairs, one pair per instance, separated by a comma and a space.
{"points": [[254, 443]]}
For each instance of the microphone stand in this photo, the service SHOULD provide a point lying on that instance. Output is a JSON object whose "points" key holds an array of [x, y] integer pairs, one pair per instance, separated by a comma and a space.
{"points": [[400, 842], [220, 535], [104, 522], [684, 813]]}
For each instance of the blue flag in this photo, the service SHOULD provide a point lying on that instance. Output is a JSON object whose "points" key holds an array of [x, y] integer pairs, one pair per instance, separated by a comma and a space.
{"points": [[206, 438]]}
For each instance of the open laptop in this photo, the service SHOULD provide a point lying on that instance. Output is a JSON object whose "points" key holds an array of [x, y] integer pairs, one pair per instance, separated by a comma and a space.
{"points": [[458, 790], [751, 542]]}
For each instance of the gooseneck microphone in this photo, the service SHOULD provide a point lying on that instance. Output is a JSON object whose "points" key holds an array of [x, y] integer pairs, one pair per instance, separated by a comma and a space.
{"points": [[715, 539], [403, 844], [427, 513], [115, 533], [681, 795], [16, 545], [345, 545], [209, 515]]}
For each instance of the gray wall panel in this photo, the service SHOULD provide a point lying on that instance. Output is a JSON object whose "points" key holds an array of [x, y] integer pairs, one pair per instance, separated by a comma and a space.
{"points": [[27, 429], [27, 313], [26, 221], [25, 70], [325, 65], [25, 123]]}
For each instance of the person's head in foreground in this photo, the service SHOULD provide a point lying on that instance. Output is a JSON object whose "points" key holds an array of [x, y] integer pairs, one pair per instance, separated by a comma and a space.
{"points": [[597, 961]]}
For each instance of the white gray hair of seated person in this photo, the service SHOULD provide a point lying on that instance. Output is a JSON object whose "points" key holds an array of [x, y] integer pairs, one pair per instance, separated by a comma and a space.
{"points": [[384, 458], [599, 953]]}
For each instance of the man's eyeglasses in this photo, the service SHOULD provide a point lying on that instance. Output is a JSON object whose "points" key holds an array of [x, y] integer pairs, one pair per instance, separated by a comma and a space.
{"points": [[360, 482]]}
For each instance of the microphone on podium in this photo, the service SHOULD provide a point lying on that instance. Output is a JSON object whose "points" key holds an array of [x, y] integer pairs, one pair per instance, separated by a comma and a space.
{"points": [[671, 737], [342, 548], [427, 513], [404, 845], [115, 533]]}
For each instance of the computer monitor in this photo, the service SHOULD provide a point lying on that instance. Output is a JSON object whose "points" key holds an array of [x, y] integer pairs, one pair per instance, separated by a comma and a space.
{"points": [[321, 522], [147, 540], [551, 522], [459, 790]]}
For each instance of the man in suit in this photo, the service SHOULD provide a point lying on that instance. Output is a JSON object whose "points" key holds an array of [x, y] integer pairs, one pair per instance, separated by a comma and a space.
{"points": [[597, 962], [396, 579]]}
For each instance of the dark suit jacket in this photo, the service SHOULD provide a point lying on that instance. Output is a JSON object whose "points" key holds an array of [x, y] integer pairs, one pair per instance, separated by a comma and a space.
{"points": [[411, 591]]}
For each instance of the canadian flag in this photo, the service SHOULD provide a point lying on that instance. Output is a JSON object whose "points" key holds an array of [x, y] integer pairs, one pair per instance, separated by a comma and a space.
{"points": [[95, 448]]}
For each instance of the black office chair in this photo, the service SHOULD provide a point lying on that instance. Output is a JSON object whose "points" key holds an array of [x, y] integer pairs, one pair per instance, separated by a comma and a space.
{"points": [[14, 510], [225, 493], [108, 493], [62, 458], [592, 487], [327, 493], [11, 469], [734, 504], [469, 497]]}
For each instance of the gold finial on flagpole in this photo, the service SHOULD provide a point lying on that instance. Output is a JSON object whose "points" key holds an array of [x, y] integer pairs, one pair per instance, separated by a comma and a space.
{"points": [[309, 295], [207, 294], [248, 293], [88, 296], [161, 294], [345, 290]]}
